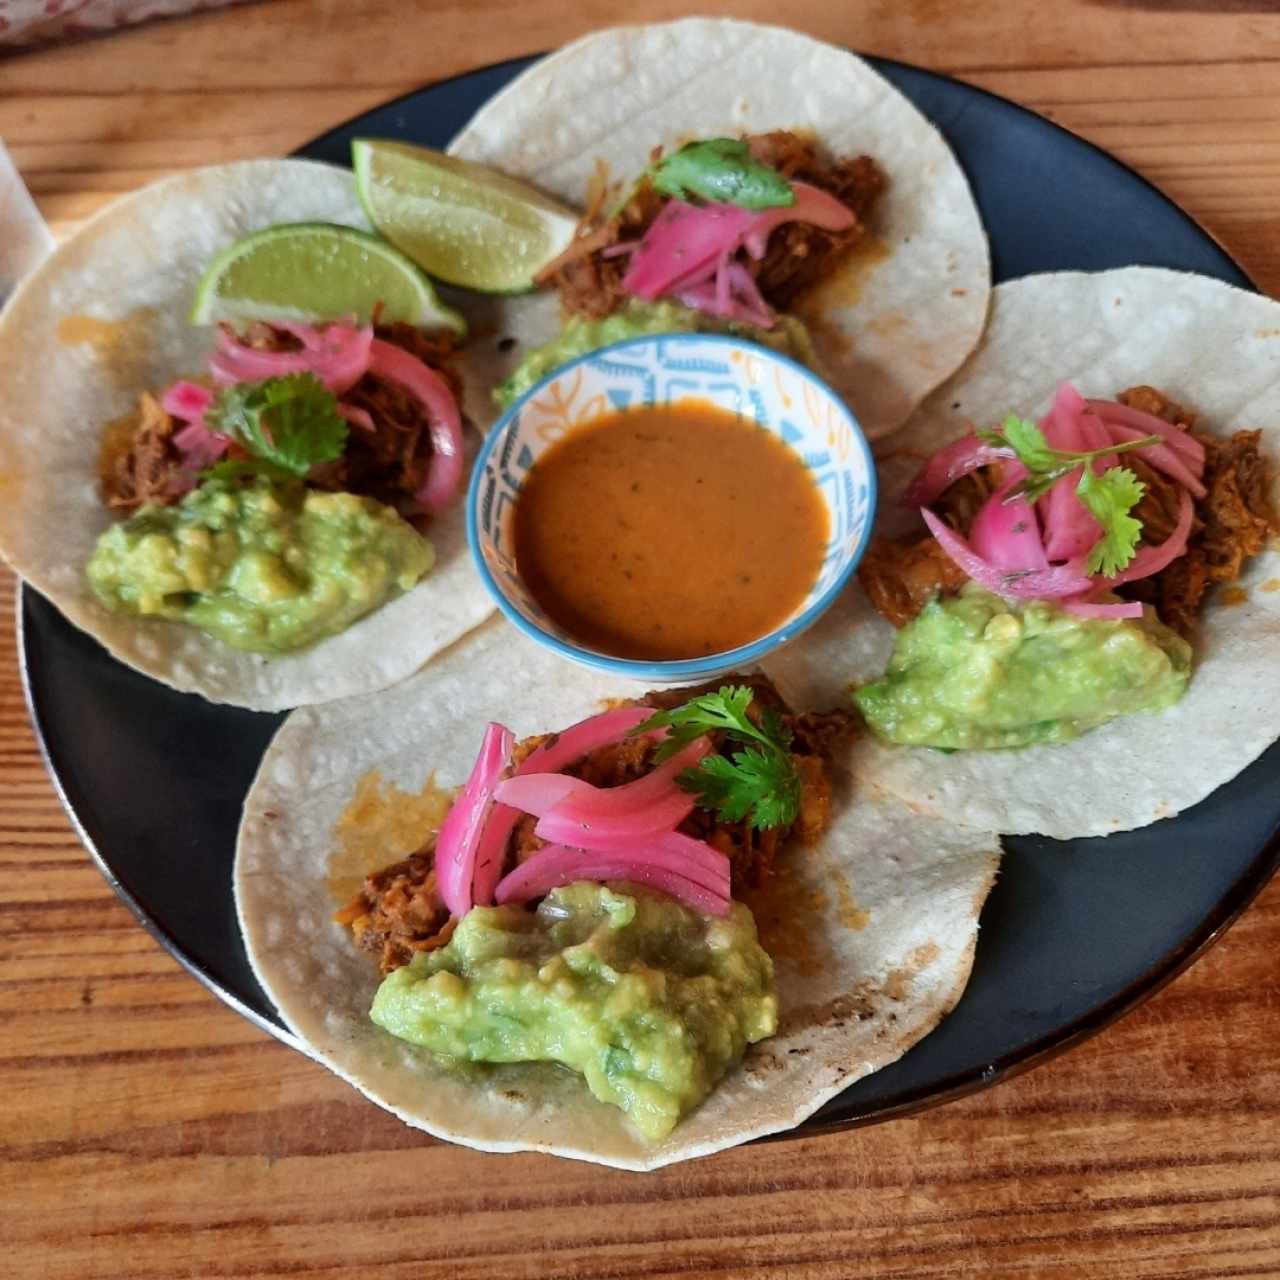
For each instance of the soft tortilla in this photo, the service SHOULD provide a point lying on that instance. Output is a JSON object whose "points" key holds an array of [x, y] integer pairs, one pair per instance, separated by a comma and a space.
{"points": [[890, 901], [134, 268], [1209, 346], [890, 326]]}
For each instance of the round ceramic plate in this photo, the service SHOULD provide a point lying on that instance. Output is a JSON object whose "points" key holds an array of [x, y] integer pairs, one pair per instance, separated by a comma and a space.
{"points": [[1073, 934]]}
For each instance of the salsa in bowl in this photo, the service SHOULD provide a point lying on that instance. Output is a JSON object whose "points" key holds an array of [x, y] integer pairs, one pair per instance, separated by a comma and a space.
{"points": [[671, 507]]}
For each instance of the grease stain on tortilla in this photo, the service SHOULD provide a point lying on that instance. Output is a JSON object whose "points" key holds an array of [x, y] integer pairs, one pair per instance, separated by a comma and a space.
{"points": [[785, 910], [848, 912], [1271, 584], [1230, 596], [380, 825], [123, 347], [841, 292]]}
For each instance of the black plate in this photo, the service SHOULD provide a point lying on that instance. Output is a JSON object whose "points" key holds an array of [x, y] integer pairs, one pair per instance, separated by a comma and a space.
{"points": [[1074, 933]]}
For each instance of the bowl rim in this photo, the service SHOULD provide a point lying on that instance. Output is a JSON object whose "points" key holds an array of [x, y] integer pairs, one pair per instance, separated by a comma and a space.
{"points": [[674, 668]]}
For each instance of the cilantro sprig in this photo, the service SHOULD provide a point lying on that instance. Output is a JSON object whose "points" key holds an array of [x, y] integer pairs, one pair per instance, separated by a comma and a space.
{"points": [[286, 424], [1109, 497], [759, 782], [721, 170], [718, 170]]}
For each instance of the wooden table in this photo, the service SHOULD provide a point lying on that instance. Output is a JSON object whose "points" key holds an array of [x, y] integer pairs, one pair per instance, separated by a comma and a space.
{"points": [[146, 1130]]}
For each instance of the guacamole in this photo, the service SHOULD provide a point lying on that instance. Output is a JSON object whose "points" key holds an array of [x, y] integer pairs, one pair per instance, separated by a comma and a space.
{"points": [[974, 671], [264, 567], [648, 1000], [640, 319]]}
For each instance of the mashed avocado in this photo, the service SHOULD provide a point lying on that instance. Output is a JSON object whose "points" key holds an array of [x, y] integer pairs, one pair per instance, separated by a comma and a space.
{"points": [[974, 671], [264, 567], [651, 1002], [640, 319]]}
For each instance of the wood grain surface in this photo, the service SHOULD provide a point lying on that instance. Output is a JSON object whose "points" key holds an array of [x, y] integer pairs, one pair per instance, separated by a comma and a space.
{"points": [[147, 1131]]}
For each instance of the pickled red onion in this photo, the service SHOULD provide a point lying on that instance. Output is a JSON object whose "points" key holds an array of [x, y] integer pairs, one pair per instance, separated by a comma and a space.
{"points": [[557, 865], [1069, 528], [1007, 531], [538, 793], [1182, 442], [1149, 560], [1025, 583], [337, 354], [445, 422], [951, 463], [812, 205], [199, 445], [1160, 456], [356, 416], [680, 242], [1104, 609], [563, 749], [461, 832]]}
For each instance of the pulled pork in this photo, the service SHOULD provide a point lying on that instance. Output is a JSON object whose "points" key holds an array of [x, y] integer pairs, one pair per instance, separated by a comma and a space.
{"points": [[388, 464], [1232, 523], [796, 255], [140, 465], [398, 912]]}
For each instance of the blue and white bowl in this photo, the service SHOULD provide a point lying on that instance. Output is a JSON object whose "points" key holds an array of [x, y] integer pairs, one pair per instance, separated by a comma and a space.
{"points": [[770, 389]]}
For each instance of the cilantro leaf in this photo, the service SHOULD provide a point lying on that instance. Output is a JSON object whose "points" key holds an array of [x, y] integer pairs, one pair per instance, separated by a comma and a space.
{"points": [[721, 170], [291, 422], [1025, 439], [760, 782], [1110, 497]]}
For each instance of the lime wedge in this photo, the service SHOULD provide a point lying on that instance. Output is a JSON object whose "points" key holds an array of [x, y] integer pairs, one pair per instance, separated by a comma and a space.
{"points": [[309, 271], [464, 223]]}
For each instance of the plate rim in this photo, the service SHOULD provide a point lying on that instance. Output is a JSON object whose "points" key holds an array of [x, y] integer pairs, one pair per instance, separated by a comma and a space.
{"points": [[909, 1101]]}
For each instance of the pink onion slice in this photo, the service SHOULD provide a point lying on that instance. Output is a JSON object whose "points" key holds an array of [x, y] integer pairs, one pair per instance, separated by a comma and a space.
{"points": [[445, 474], [564, 824], [557, 865], [460, 834], [949, 464], [812, 205], [681, 241], [338, 354], [654, 786], [199, 445], [187, 400], [1069, 528], [538, 793], [692, 858], [357, 417], [1182, 442], [1149, 560], [563, 749], [1104, 609], [1025, 584], [1160, 456], [1007, 533]]}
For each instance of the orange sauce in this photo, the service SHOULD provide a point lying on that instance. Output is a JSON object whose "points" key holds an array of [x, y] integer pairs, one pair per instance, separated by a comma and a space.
{"points": [[674, 531]]}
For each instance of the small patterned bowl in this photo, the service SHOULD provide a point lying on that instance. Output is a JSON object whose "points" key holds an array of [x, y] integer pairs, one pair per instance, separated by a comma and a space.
{"points": [[762, 386]]}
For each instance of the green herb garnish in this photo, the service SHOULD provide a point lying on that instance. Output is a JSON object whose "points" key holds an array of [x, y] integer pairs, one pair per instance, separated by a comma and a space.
{"points": [[722, 171], [760, 782], [289, 423], [1109, 497]]}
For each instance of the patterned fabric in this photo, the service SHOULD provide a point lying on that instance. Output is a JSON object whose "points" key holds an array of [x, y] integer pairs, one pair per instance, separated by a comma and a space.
{"points": [[24, 22]]}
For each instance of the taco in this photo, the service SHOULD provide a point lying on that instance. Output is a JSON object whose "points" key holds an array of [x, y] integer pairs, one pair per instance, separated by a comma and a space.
{"points": [[688, 1024], [832, 223], [1088, 622], [268, 518]]}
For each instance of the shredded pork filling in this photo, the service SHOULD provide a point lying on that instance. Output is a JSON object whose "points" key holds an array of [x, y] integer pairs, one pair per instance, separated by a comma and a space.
{"points": [[389, 464], [796, 256], [398, 911]]}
